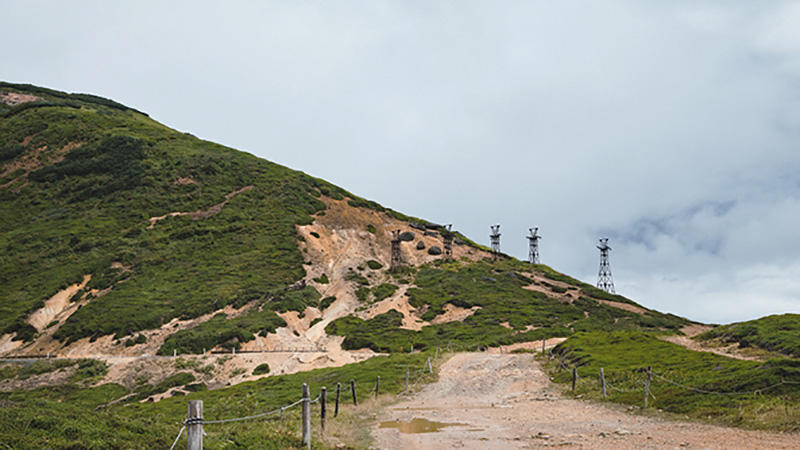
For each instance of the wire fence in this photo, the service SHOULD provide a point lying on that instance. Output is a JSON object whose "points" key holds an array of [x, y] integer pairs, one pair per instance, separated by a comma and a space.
{"points": [[192, 423], [645, 385]]}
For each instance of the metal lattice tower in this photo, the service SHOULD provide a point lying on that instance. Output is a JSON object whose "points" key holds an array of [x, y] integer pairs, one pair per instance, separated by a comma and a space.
{"points": [[495, 238], [397, 257], [447, 239], [604, 279], [533, 245]]}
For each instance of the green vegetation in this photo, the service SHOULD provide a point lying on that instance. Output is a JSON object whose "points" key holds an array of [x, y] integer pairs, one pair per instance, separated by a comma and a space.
{"points": [[625, 356], [130, 424], [371, 228], [322, 279], [261, 369], [139, 339], [498, 289], [326, 302], [383, 291], [117, 168], [356, 277], [222, 331], [776, 333], [374, 265]]}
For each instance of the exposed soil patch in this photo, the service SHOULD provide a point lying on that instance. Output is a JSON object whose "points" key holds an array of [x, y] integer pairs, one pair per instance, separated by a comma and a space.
{"points": [[55, 306], [626, 306], [454, 313], [729, 350], [507, 401], [398, 302], [30, 161], [185, 181], [201, 213], [15, 98]]}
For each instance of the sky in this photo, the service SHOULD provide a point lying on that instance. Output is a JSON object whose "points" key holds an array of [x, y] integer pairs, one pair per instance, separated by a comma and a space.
{"points": [[669, 127]]}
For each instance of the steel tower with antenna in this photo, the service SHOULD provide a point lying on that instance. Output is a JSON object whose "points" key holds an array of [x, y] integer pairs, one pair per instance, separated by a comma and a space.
{"points": [[495, 239], [397, 257], [604, 279], [533, 245]]}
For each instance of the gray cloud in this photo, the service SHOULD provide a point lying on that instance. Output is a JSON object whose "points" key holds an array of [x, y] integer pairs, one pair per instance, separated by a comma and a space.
{"points": [[670, 127]]}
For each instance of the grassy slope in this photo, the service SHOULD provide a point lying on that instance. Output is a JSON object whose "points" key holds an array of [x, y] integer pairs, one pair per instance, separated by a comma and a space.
{"points": [[776, 333], [78, 216], [497, 288], [154, 425], [625, 355]]}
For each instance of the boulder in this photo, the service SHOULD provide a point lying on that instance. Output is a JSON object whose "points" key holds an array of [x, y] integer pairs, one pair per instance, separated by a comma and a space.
{"points": [[407, 236], [420, 245], [434, 250]]}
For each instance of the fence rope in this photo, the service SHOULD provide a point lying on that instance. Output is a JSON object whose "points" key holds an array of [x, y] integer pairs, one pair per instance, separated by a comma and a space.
{"points": [[704, 391], [614, 388], [176, 439], [280, 410]]}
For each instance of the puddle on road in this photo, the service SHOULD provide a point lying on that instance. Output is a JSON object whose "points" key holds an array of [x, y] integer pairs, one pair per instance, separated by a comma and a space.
{"points": [[418, 425]]}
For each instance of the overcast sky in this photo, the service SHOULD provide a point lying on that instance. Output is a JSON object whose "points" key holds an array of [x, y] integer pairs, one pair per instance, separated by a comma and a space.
{"points": [[670, 127]]}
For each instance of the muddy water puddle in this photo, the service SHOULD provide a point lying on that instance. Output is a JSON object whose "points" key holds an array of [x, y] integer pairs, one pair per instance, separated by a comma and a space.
{"points": [[420, 425]]}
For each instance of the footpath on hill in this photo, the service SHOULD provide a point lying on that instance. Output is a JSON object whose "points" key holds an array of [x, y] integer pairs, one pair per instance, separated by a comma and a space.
{"points": [[507, 401]]}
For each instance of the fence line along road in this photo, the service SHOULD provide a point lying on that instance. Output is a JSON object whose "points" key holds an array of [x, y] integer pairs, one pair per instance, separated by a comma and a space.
{"points": [[193, 424]]}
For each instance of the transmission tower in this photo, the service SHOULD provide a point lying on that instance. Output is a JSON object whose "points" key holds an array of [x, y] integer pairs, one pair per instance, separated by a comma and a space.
{"points": [[495, 238], [533, 245], [397, 257], [447, 238], [604, 280]]}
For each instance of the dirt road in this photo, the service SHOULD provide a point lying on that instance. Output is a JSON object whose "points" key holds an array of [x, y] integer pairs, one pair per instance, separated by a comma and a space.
{"points": [[506, 401]]}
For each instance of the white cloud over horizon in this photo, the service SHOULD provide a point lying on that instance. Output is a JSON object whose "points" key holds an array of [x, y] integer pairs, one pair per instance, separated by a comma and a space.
{"points": [[671, 127]]}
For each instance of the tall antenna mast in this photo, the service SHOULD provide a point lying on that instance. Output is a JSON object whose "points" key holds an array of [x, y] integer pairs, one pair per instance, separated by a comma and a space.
{"points": [[533, 245], [604, 280], [495, 238], [447, 238], [397, 257]]}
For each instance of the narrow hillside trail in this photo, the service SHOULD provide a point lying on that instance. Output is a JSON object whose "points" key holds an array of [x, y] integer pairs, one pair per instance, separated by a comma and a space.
{"points": [[507, 401]]}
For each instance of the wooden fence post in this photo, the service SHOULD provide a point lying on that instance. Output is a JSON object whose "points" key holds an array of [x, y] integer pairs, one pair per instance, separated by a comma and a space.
{"points": [[338, 391], [603, 383], [543, 341], [323, 403], [406, 380], [430, 368], [353, 389], [306, 419], [194, 431], [450, 346], [174, 352], [437, 352], [646, 387], [377, 386], [574, 377]]}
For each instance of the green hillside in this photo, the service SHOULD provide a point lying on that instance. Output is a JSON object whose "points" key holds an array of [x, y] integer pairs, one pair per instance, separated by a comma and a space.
{"points": [[776, 333], [80, 178], [171, 226]]}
